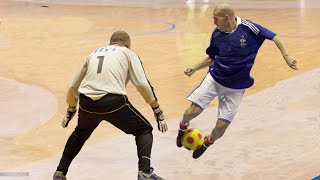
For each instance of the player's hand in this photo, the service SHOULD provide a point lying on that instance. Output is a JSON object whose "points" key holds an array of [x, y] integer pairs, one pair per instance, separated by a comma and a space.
{"points": [[71, 111], [158, 114], [189, 71], [292, 63]]}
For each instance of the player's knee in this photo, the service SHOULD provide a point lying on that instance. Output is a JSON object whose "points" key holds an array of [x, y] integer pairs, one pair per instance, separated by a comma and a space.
{"points": [[82, 134], [145, 139], [192, 112], [222, 125]]}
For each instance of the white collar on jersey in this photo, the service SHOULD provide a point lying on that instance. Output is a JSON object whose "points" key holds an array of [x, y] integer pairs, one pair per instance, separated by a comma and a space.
{"points": [[238, 22]]}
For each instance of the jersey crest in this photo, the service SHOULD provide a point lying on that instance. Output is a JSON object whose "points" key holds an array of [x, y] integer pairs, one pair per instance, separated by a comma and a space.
{"points": [[243, 41]]}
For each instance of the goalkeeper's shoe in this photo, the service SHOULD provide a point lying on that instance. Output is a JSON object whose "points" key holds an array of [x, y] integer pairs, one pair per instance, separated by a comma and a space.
{"points": [[58, 175], [148, 175]]}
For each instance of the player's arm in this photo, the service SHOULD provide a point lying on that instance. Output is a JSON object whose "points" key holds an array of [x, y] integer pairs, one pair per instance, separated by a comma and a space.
{"points": [[72, 96], [292, 63], [211, 51], [203, 64], [265, 33], [139, 80]]}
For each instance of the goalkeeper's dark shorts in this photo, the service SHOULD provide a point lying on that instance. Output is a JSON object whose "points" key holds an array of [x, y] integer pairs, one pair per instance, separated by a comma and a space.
{"points": [[115, 109]]}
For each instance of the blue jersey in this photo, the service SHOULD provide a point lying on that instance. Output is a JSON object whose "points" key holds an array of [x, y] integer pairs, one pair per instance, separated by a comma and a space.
{"points": [[234, 53]]}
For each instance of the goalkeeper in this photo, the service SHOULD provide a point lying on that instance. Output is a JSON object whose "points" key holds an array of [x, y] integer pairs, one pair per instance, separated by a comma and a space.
{"points": [[100, 88]]}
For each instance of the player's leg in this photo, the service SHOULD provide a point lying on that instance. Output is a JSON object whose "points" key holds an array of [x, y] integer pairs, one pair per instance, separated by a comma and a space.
{"points": [[216, 133], [87, 122], [229, 103], [200, 98], [131, 121], [190, 113], [218, 130]]}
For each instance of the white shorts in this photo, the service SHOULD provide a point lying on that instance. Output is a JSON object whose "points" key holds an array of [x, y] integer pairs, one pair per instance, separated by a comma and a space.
{"points": [[229, 99]]}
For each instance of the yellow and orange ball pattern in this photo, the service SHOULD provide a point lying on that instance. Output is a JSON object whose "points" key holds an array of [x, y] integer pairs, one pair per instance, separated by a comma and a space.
{"points": [[192, 139]]}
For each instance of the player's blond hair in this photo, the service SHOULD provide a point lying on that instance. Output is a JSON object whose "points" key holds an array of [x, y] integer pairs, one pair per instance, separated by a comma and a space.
{"points": [[224, 10], [119, 37]]}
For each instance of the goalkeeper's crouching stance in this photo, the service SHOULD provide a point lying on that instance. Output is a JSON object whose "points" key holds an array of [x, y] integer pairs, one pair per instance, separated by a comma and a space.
{"points": [[100, 88]]}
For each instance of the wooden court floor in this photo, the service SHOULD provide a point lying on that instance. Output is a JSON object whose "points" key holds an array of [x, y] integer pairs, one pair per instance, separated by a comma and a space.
{"points": [[46, 46]]}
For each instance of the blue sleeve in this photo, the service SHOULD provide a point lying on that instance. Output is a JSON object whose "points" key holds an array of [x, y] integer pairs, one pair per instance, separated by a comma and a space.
{"points": [[264, 32], [211, 50]]}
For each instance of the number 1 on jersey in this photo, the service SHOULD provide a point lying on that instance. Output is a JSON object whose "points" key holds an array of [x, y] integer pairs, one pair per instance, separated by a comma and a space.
{"points": [[101, 58]]}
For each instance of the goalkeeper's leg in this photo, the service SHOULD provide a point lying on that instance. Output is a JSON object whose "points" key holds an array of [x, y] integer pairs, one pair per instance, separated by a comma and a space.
{"points": [[86, 125]]}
